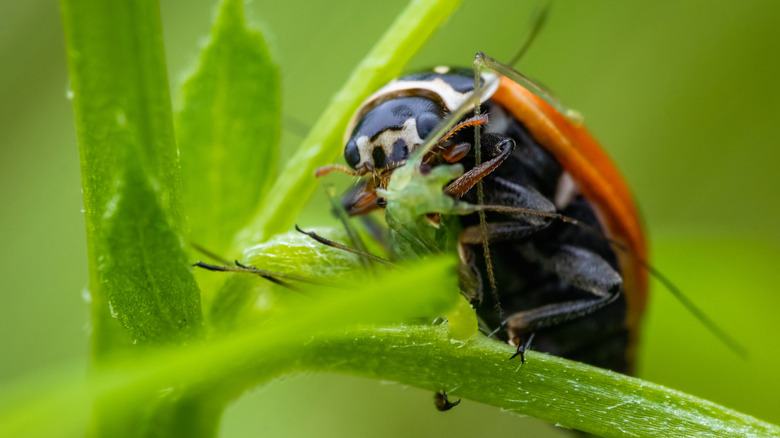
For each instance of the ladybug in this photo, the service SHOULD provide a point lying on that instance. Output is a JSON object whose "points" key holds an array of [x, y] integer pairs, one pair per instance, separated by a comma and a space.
{"points": [[574, 291]]}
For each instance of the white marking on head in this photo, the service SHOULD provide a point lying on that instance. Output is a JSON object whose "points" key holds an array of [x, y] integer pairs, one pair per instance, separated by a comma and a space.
{"points": [[386, 139]]}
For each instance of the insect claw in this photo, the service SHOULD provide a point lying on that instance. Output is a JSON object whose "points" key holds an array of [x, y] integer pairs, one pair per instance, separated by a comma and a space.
{"points": [[443, 403], [520, 352], [522, 346]]}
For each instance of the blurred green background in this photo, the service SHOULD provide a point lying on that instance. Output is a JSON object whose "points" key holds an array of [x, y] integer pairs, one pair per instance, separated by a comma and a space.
{"points": [[683, 94]]}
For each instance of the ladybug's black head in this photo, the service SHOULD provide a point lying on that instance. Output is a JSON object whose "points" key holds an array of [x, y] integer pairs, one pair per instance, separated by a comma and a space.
{"points": [[386, 135]]}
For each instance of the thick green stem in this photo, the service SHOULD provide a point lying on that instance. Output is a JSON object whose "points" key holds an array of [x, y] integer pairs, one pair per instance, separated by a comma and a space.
{"points": [[563, 392], [143, 292]]}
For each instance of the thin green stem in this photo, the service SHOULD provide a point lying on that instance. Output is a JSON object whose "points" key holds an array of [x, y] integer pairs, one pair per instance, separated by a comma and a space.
{"points": [[324, 143]]}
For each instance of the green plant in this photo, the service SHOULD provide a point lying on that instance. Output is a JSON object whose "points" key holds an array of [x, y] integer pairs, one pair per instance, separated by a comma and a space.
{"points": [[161, 367]]}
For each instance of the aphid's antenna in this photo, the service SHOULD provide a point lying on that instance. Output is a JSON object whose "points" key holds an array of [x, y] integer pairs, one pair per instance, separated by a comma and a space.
{"points": [[343, 247], [352, 234], [537, 24], [486, 62], [697, 313], [481, 193]]}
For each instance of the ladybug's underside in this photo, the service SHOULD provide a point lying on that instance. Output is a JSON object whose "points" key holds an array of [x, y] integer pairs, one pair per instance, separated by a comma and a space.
{"points": [[562, 283]]}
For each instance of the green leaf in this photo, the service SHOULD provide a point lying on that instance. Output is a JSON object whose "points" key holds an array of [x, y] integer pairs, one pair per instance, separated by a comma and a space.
{"points": [[129, 174], [561, 391], [243, 298], [146, 275], [227, 128], [324, 143], [231, 362]]}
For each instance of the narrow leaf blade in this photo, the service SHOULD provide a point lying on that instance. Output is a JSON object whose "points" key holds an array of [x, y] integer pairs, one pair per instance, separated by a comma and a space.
{"points": [[228, 127], [129, 173], [323, 145], [150, 288]]}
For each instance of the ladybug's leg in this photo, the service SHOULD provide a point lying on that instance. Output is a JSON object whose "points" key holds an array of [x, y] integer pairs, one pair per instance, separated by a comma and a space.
{"points": [[502, 192], [522, 344], [581, 269], [362, 199], [497, 147], [506, 193]]}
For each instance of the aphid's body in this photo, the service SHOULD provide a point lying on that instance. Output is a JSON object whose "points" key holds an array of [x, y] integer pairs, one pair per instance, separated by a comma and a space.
{"points": [[581, 298]]}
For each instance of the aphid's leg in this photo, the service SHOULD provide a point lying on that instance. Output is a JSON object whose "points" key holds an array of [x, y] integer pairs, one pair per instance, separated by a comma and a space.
{"points": [[273, 277], [507, 193], [376, 231], [498, 148], [332, 244], [581, 269], [354, 237], [484, 62], [497, 232]]}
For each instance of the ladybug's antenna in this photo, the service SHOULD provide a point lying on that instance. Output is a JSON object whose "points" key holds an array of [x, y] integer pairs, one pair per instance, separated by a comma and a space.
{"points": [[537, 24], [697, 313]]}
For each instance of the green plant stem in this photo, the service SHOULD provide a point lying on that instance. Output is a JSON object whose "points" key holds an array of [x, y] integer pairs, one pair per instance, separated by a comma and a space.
{"points": [[323, 145], [142, 289], [228, 126], [560, 391], [244, 357], [563, 392], [129, 170]]}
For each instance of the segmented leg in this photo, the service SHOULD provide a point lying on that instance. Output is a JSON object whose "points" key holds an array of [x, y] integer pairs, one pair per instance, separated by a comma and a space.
{"points": [[443, 403], [580, 269], [498, 148], [501, 192], [360, 200]]}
